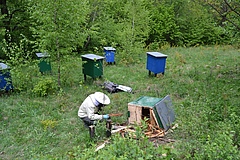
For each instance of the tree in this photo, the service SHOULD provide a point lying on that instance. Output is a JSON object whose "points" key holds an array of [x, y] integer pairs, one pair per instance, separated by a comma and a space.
{"points": [[229, 11], [188, 23], [133, 25], [118, 23], [163, 24], [196, 24], [227, 15], [14, 22], [59, 27]]}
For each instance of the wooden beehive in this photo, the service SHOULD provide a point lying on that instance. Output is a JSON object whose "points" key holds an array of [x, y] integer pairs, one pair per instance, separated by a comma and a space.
{"points": [[143, 108], [157, 110]]}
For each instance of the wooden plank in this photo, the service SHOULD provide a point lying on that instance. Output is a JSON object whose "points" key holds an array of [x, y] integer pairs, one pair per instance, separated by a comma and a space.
{"points": [[154, 117], [118, 129], [115, 114], [135, 114]]}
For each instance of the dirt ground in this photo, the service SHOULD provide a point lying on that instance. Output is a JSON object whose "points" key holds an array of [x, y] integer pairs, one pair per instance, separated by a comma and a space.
{"points": [[157, 141]]}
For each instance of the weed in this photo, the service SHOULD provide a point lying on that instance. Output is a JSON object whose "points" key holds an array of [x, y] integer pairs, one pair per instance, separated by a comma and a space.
{"points": [[48, 124], [45, 87]]}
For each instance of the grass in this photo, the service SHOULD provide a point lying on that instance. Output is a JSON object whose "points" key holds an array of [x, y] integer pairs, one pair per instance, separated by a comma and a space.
{"points": [[203, 82]]}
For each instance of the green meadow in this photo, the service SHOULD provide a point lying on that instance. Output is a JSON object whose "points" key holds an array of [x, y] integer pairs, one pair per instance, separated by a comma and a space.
{"points": [[39, 120]]}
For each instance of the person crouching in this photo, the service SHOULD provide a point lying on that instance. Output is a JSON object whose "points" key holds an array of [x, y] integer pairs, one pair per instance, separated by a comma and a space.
{"points": [[90, 107]]}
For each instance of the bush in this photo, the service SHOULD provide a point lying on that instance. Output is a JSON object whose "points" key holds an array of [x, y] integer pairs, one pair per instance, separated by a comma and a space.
{"points": [[45, 87], [218, 147]]}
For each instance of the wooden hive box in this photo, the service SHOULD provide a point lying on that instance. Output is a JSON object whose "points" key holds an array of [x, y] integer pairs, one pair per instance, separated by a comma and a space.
{"points": [[157, 110]]}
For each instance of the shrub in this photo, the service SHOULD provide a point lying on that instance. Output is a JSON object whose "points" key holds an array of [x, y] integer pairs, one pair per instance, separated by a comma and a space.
{"points": [[45, 87], [218, 147]]}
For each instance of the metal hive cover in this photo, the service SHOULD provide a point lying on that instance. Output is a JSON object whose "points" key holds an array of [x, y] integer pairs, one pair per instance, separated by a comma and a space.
{"points": [[92, 56], [40, 55], [3, 66], [157, 54], [146, 101], [165, 112], [109, 48]]}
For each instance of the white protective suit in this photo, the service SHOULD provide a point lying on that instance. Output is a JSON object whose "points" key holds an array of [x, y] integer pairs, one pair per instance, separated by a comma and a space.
{"points": [[87, 109]]}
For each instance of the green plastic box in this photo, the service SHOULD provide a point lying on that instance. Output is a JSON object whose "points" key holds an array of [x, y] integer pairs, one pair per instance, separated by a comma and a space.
{"points": [[44, 62], [92, 65]]}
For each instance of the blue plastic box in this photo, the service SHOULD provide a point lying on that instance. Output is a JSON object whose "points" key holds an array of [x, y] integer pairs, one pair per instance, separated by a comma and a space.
{"points": [[110, 54], [156, 62], [5, 78]]}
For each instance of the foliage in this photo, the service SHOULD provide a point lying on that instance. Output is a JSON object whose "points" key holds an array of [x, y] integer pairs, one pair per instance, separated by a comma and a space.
{"points": [[14, 20], [225, 12], [59, 27], [126, 148], [71, 72], [132, 30], [226, 15], [48, 124], [16, 52], [163, 25], [59, 24], [197, 26], [220, 146], [20, 59], [122, 24], [44, 87]]}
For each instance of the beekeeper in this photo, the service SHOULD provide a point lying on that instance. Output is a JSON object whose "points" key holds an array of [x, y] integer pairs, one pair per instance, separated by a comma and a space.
{"points": [[89, 109]]}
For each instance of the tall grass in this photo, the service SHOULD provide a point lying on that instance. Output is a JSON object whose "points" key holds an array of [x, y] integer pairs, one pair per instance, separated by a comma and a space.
{"points": [[203, 82]]}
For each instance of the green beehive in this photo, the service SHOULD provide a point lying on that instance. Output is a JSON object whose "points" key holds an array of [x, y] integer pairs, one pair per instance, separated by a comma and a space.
{"points": [[44, 62], [92, 65], [157, 110]]}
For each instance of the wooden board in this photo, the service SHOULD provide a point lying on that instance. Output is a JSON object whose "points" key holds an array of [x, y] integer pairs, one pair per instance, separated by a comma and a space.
{"points": [[135, 114], [153, 119]]}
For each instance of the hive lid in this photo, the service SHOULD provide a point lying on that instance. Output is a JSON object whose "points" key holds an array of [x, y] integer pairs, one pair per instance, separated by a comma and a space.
{"points": [[92, 56], [146, 101], [40, 55], [3, 66], [156, 54], [165, 112], [109, 48]]}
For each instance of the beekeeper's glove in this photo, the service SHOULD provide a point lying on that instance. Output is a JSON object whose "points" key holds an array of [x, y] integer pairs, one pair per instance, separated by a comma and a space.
{"points": [[106, 116]]}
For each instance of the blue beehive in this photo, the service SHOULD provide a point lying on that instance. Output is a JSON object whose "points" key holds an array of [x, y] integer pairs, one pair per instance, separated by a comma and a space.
{"points": [[156, 62], [109, 54], [5, 78]]}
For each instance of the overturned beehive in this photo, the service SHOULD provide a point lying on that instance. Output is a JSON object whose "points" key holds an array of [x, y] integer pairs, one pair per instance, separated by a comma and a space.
{"points": [[158, 111]]}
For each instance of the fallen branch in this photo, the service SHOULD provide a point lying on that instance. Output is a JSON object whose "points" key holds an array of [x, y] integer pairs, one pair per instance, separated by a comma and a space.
{"points": [[115, 114], [119, 129], [101, 145]]}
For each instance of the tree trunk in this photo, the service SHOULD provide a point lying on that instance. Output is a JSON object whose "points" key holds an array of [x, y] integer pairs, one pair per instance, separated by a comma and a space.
{"points": [[57, 46]]}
